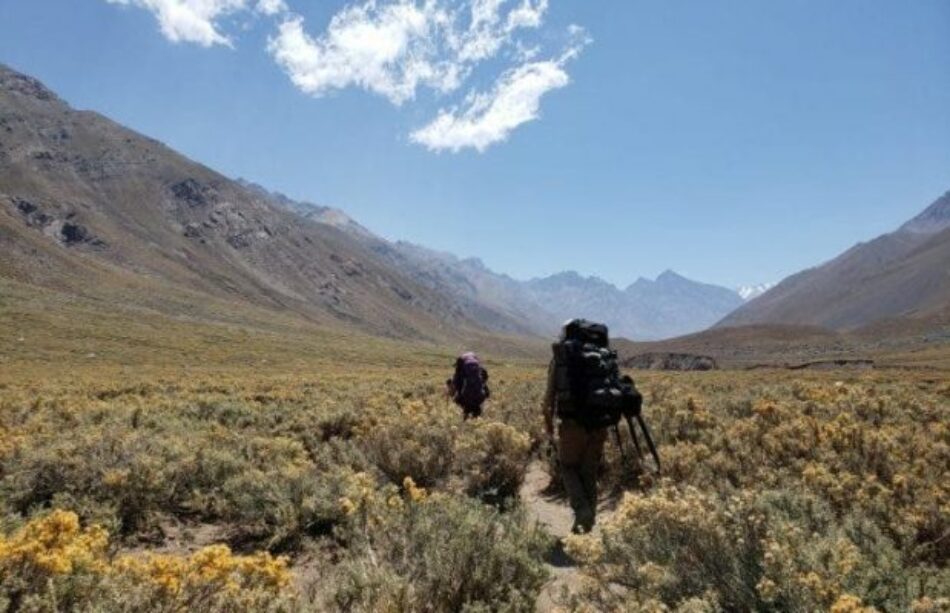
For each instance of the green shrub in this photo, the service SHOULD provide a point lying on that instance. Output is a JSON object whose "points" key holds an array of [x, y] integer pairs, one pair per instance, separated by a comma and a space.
{"points": [[419, 552], [493, 458], [415, 440], [783, 550]]}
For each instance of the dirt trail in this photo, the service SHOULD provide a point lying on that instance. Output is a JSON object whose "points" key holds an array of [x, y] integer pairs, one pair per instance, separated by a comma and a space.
{"points": [[553, 513]]}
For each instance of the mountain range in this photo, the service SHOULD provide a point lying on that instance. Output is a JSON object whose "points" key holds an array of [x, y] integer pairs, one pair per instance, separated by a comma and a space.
{"points": [[668, 306], [93, 211]]}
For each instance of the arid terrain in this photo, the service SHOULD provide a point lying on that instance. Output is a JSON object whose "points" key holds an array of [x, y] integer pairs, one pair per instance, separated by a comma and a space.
{"points": [[287, 480], [213, 398]]}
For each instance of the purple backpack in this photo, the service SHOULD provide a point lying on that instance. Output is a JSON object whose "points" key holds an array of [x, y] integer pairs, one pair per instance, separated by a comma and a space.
{"points": [[470, 377]]}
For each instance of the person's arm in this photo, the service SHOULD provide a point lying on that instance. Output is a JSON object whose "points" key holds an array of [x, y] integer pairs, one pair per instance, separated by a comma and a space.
{"points": [[547, 403]]}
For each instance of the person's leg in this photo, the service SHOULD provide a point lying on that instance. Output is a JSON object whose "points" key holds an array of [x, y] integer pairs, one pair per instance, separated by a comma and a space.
{"points": [[590, 464], [571, 444]]}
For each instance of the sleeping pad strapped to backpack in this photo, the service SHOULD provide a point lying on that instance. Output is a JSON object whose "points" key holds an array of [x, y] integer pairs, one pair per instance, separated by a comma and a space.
{"points": [[588, 385]]}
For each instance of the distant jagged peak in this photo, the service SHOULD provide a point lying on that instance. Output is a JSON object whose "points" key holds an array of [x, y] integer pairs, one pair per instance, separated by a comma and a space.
{"points": [[420, 251], [279, 197], [935, 218], [667, 278], [475, 263], [13, 81], [670, 276], [572, 278], [567, 275], [327, 215]]}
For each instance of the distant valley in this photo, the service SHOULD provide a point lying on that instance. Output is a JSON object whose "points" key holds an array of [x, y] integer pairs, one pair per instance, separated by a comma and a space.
{"points": [[670, 305], [92, 210]]}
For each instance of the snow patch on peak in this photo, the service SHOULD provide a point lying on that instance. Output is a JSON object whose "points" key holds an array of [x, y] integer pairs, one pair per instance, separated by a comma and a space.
{"points": [[748, 292]]}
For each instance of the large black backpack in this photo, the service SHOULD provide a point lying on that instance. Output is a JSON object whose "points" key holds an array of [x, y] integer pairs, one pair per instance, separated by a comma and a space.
{"points": [[588, 386]]}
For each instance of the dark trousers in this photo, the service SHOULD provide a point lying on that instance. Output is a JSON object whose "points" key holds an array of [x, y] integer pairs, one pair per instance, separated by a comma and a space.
{"points": [[579, 452], [471, 411]]}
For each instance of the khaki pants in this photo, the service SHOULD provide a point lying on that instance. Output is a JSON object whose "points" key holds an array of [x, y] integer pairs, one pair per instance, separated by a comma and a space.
{"points": [[579, 453]]}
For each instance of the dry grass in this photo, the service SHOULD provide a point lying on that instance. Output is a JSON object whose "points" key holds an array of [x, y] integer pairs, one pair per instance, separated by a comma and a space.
{"points": [[782, 491], [785, 491]]}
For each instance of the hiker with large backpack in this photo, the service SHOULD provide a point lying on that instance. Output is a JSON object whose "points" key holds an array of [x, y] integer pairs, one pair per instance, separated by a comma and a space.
{"points": [[586, 396], [469, 385]]}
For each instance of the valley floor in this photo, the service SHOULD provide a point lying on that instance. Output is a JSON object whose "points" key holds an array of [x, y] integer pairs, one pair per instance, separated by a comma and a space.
{"points": [[356, 486]]}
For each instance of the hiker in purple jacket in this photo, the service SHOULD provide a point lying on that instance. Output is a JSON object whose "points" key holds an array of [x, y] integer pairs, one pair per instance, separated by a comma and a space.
{"points": [[469, 385]]}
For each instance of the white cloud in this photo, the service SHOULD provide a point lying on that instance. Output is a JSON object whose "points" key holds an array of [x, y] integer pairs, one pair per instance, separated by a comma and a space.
{"points": [[389, 49], [395, 47], [489, 118], [191, 21], [488, 30], [271, 7], [528, 15]]}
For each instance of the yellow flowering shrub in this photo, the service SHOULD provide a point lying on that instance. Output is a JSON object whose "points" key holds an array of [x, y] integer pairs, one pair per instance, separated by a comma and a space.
{"points": [[780, 490], [211, 577], [792, 492], [52, 563], [492, 458], [414, 438], [930, 605], [53, 545], [671, 546], [846, 603], [409, 549]]}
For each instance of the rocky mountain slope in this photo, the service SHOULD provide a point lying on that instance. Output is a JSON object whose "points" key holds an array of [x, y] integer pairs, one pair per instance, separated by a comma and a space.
{"points": [[484, 300], [91, 208], [903, 274]]}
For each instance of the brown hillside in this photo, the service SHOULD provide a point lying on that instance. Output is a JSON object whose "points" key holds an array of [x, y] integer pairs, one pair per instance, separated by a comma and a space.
{"points": [[93, 209], [902, 274]]}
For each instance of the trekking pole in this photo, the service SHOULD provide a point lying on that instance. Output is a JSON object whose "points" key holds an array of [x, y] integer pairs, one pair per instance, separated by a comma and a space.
{"points": [[649, 437], [623, 453], [646, 434], [636, 440]]}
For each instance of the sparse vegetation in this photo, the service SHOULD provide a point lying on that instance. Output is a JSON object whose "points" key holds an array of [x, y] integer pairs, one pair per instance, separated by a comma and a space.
{"points": [[216, 398], [785, 492], [358, 489]]}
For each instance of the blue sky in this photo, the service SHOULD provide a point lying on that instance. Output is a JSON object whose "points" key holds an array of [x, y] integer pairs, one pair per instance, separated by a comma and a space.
{"points": [[734, 142]]}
